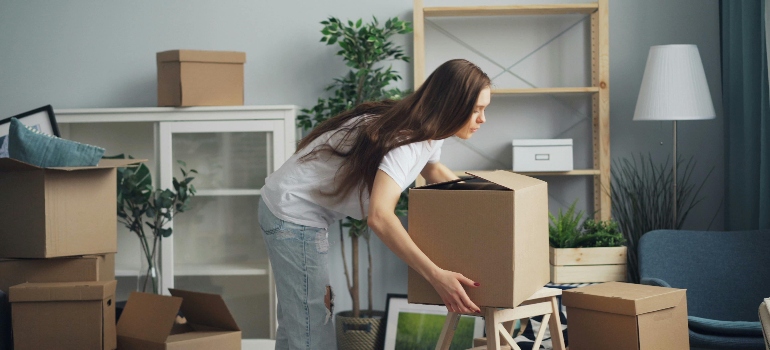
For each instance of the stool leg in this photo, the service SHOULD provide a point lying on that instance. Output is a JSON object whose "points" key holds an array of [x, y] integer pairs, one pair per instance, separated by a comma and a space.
{"points": [[523, 326], [493, 336], [445, 339], [541, 332], [554, 324], [508, 338], [509, 326]]}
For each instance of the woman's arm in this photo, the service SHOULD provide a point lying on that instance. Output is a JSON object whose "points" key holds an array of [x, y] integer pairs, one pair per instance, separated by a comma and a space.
{"points": [[437, 172], [384, 222]]}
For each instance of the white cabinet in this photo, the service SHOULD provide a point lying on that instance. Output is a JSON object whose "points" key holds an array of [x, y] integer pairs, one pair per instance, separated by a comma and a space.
{"points": [[217, 245]]}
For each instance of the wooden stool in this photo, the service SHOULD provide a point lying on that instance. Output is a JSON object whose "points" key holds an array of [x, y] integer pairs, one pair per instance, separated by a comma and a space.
{"points": [[500, 322]]}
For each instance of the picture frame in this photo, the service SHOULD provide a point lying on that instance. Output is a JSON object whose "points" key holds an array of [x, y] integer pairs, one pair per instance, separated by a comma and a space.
{"points": [[420, 325], [42, 119]]}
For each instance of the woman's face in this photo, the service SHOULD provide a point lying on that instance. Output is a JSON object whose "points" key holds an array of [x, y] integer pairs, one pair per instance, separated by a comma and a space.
{"points": [[477, 117]]}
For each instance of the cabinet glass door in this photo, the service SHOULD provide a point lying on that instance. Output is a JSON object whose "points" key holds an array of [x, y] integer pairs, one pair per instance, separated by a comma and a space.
{"points": [[217, 245]]}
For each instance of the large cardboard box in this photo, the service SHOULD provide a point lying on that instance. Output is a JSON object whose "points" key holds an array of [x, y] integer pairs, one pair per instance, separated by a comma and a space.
{"points": [[63, 316], [200, 78], [52, 212], [616, 315], [149, 322], [492, 229]]}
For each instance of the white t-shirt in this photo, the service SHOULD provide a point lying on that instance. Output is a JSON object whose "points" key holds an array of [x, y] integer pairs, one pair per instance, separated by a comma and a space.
{"points": [[293, 192]]}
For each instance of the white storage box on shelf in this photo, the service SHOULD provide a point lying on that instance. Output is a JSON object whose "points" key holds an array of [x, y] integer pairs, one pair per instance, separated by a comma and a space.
{"points": [[542, 155]]}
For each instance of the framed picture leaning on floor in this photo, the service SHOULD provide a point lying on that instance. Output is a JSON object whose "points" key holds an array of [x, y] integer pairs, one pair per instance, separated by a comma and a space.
{"points": [[418, 326]]}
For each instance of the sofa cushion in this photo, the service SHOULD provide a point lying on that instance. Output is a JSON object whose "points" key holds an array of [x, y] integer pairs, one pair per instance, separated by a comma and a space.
{"points": [[729, 328]]}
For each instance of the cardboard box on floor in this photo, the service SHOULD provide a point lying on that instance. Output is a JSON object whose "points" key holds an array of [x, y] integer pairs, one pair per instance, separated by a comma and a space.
{"points": [[148, 322], [67, 315], [67, 269], [53, 212], [200, 78], [493, 230], [616, 315]]}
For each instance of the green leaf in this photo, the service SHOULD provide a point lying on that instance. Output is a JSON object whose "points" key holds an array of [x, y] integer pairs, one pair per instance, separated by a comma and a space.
{"points": [[165, 232]]}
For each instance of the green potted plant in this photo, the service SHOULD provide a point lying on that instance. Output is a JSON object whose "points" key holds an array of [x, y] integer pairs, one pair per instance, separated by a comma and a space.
{"points": [[145, 211], [642, 199], [591, 251], [363, 47]]}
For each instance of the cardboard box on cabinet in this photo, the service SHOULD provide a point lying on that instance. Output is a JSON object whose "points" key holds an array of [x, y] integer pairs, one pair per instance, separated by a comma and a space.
{"points": [[67, 315], [149, 321], [54, 212], [200, 78], [616, 315], [492, 229]]}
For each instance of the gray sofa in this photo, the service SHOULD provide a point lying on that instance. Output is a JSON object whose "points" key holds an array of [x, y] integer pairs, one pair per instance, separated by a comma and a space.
{"points": [[726, 274]]}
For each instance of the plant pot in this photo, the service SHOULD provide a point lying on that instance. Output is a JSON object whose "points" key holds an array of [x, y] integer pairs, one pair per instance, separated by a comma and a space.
{"points": [[583, 265], [360, 333]]}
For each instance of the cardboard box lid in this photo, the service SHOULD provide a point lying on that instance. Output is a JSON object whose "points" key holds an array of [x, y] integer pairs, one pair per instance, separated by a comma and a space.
{"points": [[8, 164], [201, 56], [623, 298], [542, 142], [206, 310], [62, 291]]}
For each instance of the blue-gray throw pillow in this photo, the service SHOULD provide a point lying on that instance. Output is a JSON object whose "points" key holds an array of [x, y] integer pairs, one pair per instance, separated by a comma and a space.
{"points": [[43, 150]]}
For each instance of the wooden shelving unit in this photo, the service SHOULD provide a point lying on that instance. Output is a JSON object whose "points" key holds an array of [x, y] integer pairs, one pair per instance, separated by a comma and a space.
{"points": [[600, 78]]}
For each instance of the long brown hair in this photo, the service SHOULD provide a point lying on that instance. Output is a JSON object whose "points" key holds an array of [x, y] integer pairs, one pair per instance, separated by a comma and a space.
{"points": [[437, 110]]}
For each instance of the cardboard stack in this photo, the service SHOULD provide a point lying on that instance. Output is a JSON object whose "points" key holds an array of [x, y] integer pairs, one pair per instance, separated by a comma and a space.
{"points": [[57, 264]]}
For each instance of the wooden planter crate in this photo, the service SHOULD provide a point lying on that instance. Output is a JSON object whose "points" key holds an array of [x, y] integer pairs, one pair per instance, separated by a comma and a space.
{"points": [[582, 265]]}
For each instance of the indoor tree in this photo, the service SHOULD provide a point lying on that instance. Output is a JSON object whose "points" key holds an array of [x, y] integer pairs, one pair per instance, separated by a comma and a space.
{"points": [[365, 47]]}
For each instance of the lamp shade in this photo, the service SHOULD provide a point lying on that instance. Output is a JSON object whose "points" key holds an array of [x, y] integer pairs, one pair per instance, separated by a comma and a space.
{"points": [[674, 86]]}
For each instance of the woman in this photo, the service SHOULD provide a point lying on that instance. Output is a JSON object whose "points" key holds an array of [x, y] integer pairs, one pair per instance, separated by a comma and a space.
{"points": [[357, 164]]}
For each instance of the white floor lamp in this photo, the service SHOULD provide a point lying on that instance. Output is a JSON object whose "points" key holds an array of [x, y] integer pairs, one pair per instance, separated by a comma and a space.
{"points": [[674, 88]]}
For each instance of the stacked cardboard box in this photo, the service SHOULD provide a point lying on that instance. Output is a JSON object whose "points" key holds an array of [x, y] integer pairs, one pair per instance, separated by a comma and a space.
{"points": [[57, 262]]}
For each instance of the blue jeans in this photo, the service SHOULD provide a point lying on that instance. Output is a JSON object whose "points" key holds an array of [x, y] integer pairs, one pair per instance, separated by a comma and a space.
{"points": [[298, 255]]}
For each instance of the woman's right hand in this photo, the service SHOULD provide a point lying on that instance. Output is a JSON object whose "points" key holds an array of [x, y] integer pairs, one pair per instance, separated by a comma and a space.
{"points": [[449, 286]]}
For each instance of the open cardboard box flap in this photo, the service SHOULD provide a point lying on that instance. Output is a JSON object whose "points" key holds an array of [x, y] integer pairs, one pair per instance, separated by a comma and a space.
{"points": [[623, 298], [203, 309], [148, 316], [151, 317], [9, 164], [507, 179], [504, 178]]}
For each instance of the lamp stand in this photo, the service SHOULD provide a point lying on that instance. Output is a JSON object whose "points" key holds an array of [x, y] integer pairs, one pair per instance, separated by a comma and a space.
{"points": [[674, 226]]}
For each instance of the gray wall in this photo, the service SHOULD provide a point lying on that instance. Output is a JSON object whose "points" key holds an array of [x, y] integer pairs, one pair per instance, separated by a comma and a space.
{"points": [[89, 54]]}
